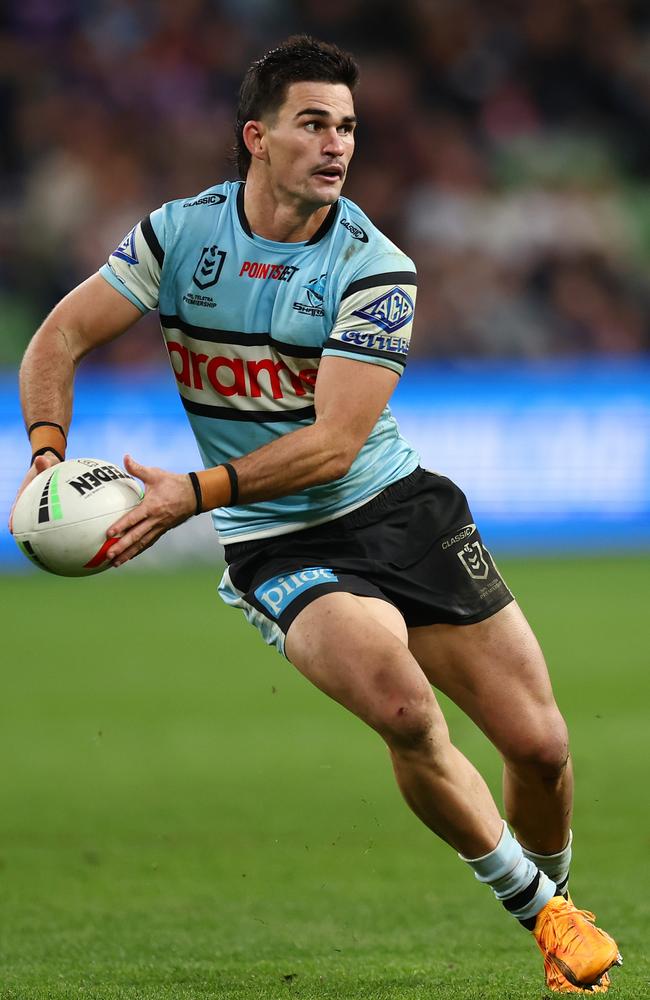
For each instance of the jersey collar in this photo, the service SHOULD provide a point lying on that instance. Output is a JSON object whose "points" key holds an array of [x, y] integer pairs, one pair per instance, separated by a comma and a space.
{"points": [[322, 230]]}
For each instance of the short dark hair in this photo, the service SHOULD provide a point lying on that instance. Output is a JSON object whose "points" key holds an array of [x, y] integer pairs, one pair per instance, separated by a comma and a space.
{"points": [[264, 88]]}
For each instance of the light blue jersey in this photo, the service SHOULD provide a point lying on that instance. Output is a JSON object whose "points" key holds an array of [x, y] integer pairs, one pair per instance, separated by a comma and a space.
{"points": [[246, 322]]}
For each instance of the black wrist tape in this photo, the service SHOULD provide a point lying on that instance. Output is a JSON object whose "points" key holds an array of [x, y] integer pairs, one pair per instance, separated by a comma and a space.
{"points": [[46, 423], [47, 447], [234, 484], [196, 486]]}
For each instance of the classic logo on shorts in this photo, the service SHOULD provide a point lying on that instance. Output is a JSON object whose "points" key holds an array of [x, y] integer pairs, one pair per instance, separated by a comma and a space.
{"points": [[459, 536], [278, 593], [473, 559], [208, 269], [126, 249], [391, 311]]}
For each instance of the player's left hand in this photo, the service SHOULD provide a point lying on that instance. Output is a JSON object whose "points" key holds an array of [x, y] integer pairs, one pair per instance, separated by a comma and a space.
{"points": [[168, 500]]}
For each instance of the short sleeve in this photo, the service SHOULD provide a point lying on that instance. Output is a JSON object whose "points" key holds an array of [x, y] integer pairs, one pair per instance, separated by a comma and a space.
{"points": [[375, 315], [135, 266]]}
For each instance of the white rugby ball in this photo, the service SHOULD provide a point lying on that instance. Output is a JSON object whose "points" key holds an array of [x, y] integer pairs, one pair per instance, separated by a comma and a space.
{"points": [[61, 518]]}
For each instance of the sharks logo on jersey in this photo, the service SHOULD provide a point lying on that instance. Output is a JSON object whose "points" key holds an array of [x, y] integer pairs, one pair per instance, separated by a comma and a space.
{"points": [[315, 293]]}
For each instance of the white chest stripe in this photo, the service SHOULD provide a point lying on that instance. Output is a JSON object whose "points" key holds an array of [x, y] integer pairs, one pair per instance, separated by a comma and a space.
{"points": [[239, 377]]}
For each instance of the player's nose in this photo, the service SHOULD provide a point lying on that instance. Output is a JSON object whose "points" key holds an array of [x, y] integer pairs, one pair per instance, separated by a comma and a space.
{"points": [[334, 144]]}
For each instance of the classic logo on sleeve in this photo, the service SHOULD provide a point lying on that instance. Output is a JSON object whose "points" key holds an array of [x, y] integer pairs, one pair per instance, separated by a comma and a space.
{"points": [[207, 199], [126, 250], [356, 232], [391, 311]]}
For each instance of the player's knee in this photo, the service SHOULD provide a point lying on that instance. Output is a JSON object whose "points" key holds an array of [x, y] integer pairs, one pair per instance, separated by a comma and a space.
{"points": [[543, 749], [408, 723]]}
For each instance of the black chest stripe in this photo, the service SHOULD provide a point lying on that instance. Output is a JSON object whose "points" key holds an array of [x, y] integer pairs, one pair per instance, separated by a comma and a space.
{"points": [[243, 339], [256, 416]]}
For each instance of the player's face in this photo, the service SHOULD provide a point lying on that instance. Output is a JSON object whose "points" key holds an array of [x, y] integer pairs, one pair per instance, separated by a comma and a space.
{"points": [[310, 141]]}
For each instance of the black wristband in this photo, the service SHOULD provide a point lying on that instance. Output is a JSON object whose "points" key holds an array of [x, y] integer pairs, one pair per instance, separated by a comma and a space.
{"points": [[46, 423], [196, 486], [234, 484], [47, 447]]}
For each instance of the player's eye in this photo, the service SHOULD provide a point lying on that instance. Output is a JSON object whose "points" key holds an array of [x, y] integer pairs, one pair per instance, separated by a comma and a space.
{"points": [[345, 129], [313, 126]]}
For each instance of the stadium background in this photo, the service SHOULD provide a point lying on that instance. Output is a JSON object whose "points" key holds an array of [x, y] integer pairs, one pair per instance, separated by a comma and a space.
{"points": [[504, 145]]}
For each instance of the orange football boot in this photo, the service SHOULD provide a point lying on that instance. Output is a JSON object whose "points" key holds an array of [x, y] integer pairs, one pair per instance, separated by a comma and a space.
{"points": [[558, 983], [574, 947]]}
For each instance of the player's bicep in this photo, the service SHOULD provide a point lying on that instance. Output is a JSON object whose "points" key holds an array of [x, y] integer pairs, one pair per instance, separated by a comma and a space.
{"points": [[375, 320], [92, 314], [350, 397]]}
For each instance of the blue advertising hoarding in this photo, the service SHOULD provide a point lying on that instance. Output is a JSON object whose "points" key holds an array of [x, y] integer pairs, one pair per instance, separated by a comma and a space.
{"points": [[554, 456]]}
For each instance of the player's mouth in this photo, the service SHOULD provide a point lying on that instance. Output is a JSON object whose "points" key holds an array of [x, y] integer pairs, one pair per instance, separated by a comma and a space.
{"points": [[331, 173]]}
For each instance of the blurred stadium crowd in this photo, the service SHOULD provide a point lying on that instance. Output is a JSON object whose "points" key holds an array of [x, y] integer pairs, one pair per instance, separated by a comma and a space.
{"points": [[504, 144]]}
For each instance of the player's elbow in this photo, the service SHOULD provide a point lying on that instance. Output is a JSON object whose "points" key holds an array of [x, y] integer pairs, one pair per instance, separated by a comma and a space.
{"points": [[339, 446], [339, 466], [343, 452]]}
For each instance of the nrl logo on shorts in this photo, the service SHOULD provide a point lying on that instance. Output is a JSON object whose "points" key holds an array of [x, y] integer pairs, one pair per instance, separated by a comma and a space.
{"points": [[391, 311], [473, 559], [208, 269]]}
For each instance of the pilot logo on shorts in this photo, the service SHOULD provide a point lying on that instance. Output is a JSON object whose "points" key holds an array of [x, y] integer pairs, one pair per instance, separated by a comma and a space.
{"points": [[391, 311], [473, 559], [208, 269], [278, 593]]}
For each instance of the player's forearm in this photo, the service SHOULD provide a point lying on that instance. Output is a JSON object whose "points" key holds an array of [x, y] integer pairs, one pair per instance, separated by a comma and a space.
{"points": [[46, 380], [310, 456]]}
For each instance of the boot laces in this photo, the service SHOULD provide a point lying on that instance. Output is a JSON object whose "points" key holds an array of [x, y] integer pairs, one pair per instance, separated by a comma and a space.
{"points": [[566, 927]]}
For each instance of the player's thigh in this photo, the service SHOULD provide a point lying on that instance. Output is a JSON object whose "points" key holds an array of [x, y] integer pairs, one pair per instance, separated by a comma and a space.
{"points": [[494, 670], [355, 650]]}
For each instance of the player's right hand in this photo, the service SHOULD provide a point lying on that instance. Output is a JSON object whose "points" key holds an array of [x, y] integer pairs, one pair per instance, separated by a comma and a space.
{"points": [[40, 464]]}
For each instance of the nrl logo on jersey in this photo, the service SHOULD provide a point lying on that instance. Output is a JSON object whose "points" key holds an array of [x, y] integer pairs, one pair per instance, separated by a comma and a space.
{"points": [[208, 270], [126, 249], [315, 294], [391, 311]]}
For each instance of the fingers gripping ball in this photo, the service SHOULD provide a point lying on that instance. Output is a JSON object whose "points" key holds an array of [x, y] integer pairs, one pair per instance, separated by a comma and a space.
{"points": [[60, 520]]}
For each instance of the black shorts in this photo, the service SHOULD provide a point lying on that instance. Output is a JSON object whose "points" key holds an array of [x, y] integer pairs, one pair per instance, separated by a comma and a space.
{"points": [[415, 546]]}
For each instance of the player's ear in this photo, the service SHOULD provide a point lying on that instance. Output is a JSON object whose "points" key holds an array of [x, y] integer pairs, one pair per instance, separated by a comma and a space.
{"points": [[254, 136]]}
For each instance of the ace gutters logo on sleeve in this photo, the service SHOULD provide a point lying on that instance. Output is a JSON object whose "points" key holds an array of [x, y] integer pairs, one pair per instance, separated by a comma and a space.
{"points": [[390, 311]]}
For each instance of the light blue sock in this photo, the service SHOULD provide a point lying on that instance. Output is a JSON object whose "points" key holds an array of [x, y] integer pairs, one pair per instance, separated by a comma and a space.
{"points": [[515, 879]]}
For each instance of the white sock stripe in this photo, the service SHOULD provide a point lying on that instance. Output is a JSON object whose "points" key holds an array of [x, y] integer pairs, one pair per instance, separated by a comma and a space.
{"points": [[556, 866]]}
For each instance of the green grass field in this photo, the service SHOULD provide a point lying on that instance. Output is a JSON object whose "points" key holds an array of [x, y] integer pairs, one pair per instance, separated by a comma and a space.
{"points": [[182, 816]]}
